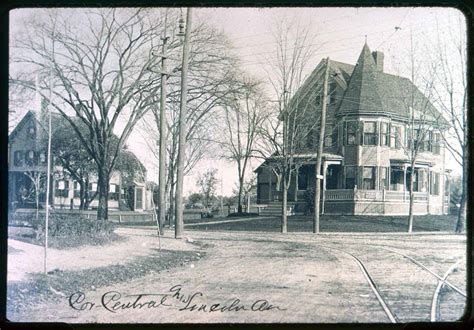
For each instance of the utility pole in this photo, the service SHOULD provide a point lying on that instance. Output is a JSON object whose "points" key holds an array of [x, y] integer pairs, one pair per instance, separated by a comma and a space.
{"points": [[182, 129], [317, 195], [162, 169], [49, 160]]}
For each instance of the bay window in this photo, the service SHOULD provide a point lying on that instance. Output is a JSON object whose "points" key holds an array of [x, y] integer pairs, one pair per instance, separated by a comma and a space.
{"points": [[351, 132], [370, 133], [384, 134], [368, 178]]}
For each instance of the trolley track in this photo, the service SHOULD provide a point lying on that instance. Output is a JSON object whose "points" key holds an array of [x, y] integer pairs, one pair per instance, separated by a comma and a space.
{"points": [[442, 281]]}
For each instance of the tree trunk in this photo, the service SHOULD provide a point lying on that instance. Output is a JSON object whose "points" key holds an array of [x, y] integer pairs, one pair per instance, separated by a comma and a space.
{"points": [[103, 186], [284, 216], [461, 222], [410, 208], [37, 191], [239, 201], [82, 195], [171, 210]]}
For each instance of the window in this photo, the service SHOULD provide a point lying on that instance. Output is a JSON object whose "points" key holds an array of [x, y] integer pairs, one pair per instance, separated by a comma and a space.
{"points": [[395, 136], [368, 178], [384, 183], [62, 188], [332, 93], [31, 132], [328, 141], [335, 136], [416, 180], [30, 158], [434, 187], [77, 189], [42, 157], [302, 180], [113, 192], [92, 187], [351, 177], [351, 132], [384, 134], [436, 138], [370, 133], [18, 158], [318, 100]]}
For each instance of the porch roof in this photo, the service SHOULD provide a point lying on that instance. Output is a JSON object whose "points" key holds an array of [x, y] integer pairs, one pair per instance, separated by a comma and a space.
{"points": [[307, 157], [419, 163]]}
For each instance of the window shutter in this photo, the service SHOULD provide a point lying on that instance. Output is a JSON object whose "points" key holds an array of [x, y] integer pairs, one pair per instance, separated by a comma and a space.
{"points": [[360, 133]]}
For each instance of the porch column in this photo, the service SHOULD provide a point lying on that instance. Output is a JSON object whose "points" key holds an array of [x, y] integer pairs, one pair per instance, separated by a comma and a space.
{"points": [[270, 185], [404, 181], [428, 186], [296, 182], [325, 167]]}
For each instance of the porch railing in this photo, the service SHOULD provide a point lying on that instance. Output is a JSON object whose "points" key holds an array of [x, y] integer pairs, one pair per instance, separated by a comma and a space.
{"points": [[373, 195]]}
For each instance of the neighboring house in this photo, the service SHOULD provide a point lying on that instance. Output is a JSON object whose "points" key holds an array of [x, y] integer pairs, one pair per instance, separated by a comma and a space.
{"points": [[27, 163], [365, 164]]}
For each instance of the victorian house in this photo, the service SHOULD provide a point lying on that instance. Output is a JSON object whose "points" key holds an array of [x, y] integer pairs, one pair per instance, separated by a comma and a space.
{"points": [[27, 165], [375, 122]]}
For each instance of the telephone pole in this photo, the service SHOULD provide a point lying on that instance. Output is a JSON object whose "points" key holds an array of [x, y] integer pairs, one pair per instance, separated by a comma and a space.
{"points": [[162, 169], [182, 129], [317, 195]]}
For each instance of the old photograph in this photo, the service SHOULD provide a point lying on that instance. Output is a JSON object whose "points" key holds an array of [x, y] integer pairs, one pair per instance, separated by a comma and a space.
{"points": [[237, 165]]}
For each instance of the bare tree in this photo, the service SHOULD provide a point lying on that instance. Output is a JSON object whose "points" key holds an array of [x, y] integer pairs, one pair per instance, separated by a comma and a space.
{"points": [[284, 132], [417, 100], [211, 78], [242, 119], [207, 183], [100, 74], [451, 93], [38, 188]]}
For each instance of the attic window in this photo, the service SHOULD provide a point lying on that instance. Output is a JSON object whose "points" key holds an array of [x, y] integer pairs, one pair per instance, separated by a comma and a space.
{"points": [[31, 132]]}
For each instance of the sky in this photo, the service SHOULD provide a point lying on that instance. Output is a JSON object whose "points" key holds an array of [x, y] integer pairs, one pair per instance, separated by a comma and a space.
{"points": [[338, 33]]}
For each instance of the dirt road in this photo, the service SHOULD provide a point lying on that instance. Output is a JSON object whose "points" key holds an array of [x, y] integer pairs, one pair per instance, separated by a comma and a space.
{"points": [[270, 277]]}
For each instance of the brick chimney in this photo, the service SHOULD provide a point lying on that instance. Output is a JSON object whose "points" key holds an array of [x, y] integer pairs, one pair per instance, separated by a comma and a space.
{"points": [[378, 57]]}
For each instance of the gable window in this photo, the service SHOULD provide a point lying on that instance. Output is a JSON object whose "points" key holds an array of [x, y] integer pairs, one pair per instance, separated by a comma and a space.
{"points": [[350, 177], [351, 132], [370, 133], [368, 178], [384, 134], [31, 132]]}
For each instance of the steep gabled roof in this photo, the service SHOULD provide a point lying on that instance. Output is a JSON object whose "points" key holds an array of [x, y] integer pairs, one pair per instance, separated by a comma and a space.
{"points": [[362, 94], [372, 91]]}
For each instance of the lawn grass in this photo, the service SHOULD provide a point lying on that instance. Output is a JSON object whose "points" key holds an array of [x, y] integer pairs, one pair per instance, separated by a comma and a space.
{"points": [[332, 223], [59, 284]]}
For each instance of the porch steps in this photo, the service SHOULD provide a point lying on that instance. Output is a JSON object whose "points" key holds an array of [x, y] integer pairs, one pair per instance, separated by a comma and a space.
{"points": [[274, 208]]}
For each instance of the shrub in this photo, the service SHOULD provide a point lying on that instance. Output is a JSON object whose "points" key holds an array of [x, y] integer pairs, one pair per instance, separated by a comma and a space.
{"points": [[68, 230]]}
